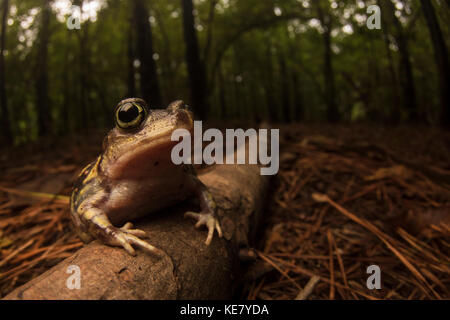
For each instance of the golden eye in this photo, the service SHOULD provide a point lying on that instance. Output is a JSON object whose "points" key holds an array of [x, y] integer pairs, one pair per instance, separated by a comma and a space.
{"points": [[130, 115]]}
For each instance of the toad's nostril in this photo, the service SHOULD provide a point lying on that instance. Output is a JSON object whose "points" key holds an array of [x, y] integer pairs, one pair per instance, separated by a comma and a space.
{"points": [[179, 104]]}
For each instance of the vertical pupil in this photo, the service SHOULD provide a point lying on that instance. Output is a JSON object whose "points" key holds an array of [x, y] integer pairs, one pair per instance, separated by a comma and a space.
{"points": [[128, 113]]}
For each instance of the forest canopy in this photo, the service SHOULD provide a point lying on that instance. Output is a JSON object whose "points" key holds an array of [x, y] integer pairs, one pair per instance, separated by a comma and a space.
{"points": [[272, 60]]}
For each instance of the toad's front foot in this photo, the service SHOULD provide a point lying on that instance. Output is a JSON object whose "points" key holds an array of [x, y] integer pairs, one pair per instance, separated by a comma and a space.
{"points": [[208, 220], [127, 236]]}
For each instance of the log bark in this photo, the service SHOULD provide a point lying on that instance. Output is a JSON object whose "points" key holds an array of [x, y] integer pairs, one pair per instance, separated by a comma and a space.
{"points": [[188, 269]]}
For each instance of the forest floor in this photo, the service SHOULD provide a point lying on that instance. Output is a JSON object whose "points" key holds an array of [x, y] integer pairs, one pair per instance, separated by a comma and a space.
{"points": [[345, 198]]}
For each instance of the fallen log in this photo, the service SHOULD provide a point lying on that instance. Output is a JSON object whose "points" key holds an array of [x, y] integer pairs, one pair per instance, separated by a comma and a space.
{"points": [[188, 269]]}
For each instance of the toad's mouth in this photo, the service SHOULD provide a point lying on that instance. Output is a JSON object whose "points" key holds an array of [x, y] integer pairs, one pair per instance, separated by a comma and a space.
{"points": [[146, 155]]}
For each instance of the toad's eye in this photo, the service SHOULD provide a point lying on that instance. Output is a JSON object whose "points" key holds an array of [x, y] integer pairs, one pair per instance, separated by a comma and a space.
{"points": [[130, 115]]}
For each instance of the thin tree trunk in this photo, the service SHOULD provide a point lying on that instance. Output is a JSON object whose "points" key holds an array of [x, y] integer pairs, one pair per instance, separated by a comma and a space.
{"points": [[209, 32], [167, 64], [88, 117], [406, 72], [296, 86], [41, 84], [196, 68], [272, 105], [67, 100], [297, 98], [441, 54], [409, 91], [370, 97], [84, 77], [81, 119], [89, 112], [285, 90], [222, 94], [149, 78], [6, 127], [328, 71], [239, 103], [330, 90], [395, 110], [131, 84]]}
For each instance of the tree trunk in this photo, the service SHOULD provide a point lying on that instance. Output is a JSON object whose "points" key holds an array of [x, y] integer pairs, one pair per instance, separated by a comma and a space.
{"points": [[395, 109], [131, 84], [67, 127], [294, 48], [149, 78], [285, 90], [196, 68], [297, 98], [86, 119], [6, 127], [41, 84], [441, 55], [222, 94], [328, 71], [168, 66], [272, 105], [81, 118], [406, 72]]}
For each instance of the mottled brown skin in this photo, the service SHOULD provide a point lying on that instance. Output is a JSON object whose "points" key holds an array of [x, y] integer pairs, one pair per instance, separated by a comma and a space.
{"points": [[134, 176]]}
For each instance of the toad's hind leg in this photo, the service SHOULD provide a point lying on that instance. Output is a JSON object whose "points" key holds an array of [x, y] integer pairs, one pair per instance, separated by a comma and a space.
{"points": [[207, 217], [99, 226]]}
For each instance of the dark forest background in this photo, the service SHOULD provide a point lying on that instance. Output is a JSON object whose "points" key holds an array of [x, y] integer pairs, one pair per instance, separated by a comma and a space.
{"points": [[254, 60]]}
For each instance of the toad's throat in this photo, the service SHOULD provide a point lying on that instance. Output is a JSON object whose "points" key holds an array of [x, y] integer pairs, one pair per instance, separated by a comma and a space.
{"points": [[152, 153]]}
